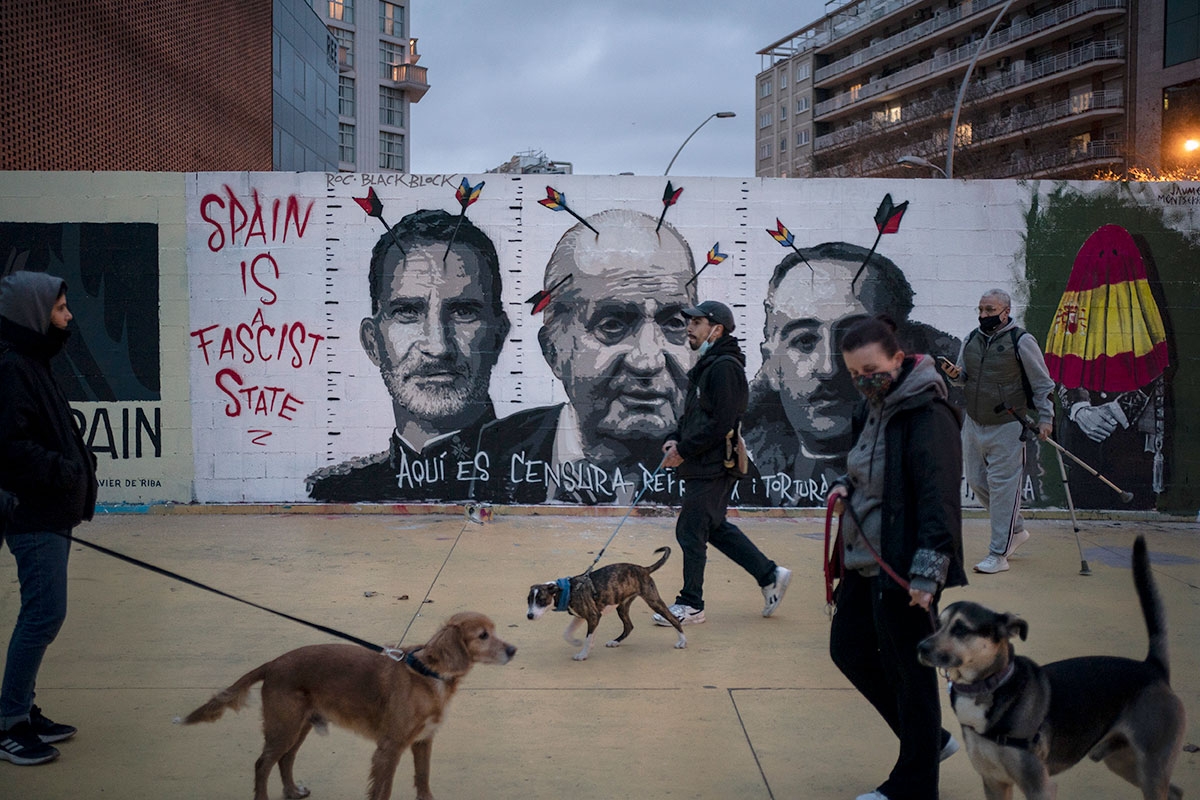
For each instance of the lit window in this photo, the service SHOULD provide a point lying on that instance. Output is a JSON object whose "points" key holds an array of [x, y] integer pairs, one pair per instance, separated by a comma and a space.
{"points": [[390, 54], [391, 106], [342, 10], [345, 96], [345, 44], [391, 19], [345, 143], [391, 151]]}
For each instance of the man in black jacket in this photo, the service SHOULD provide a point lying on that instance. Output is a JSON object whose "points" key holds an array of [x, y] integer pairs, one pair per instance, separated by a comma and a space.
{"points": [[703, 449], [46, 465]]}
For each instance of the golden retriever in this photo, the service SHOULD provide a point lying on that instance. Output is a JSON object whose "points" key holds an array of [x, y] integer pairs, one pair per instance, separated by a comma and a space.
{"points": [[394, 699]]}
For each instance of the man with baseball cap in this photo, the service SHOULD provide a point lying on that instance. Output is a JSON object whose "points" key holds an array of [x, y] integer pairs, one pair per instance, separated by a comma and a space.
{"points": [[703, 449]]}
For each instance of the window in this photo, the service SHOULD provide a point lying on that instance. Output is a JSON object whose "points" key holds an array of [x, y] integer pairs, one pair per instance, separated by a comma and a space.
{"points": [[391, 106], [802, 104], [391, 19], [892, 113], [1181, 41], [345, 143], [764, 150], [783, 144], [764, 88], [390, 54], [765, 120], [1079, 146], [803, 138], [345, 96], [391, 151], [345, 43], [803, 71], [782, 111], [342, 10], [782, 81]]}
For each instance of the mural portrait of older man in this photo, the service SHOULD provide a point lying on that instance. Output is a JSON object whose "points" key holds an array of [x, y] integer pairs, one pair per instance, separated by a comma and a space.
{"points": [[435, 332], [614, 335], [798, 424]]}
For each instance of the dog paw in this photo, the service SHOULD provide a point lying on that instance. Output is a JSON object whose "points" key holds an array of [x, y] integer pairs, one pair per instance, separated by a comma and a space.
{"points": [[613, 643], [580, 657], [296, 792], [681, 644]]}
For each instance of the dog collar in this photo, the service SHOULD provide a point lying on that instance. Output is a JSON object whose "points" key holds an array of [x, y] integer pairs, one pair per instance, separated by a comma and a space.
{"points": [[416, 665], [985, 686], [564, 594]]}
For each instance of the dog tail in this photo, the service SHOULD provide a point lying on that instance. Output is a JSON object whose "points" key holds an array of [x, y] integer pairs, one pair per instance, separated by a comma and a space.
{"points": [[234, 697], [666, 551], [1152, 608]]}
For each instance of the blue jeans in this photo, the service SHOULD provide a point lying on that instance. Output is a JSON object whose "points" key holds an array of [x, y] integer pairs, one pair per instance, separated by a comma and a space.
{"points": [[42, 573]]}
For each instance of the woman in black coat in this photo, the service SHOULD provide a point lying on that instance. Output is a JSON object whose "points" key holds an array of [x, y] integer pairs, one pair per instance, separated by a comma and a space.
{"points": [[902, 507]]}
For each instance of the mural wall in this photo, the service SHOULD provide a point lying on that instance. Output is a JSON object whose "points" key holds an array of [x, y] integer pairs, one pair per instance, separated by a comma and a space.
{"points": [[518, 339]]}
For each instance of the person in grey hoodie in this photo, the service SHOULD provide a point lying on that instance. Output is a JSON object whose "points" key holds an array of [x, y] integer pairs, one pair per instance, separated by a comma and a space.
{"points": [[46, 465], [901, 502]]}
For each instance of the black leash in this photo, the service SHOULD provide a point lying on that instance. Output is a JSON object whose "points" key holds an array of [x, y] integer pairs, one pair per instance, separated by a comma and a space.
{"points": [[176, 576]]}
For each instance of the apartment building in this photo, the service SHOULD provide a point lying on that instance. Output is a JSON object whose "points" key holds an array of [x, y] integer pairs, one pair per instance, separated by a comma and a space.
{"points": [[1057, 89], [226, 85], [378, 80]]}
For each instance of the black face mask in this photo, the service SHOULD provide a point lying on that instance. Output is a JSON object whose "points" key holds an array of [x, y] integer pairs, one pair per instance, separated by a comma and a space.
{"points": [[989, 324]]}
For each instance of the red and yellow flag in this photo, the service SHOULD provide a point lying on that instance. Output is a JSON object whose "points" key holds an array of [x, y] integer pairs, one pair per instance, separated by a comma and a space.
{"points": [[1107, 334]]}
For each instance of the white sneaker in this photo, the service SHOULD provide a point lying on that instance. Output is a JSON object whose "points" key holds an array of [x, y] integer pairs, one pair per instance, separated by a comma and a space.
{"points": [[1019, 538], [685, 614], [948, 749], [773, 592], [875, 795], [992, 564]]}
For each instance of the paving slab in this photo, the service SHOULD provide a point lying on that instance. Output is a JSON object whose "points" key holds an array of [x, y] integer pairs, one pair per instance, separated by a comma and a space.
{"points": [[753, 708]]}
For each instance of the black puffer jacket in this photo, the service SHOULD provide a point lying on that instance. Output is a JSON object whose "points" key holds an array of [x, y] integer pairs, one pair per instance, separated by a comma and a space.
{"points": [[43, 459], [716, 401]]}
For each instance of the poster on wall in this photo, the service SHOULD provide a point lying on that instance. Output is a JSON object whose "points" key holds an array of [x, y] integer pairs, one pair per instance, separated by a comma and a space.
{"points": [[519, 339], [110, 367]]}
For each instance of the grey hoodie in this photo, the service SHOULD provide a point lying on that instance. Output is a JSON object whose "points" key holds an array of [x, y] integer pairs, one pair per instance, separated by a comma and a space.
{"points": [[865, 461], [28, 298]]}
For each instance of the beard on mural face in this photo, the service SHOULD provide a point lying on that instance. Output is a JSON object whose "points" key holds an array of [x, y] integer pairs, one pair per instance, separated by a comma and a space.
{"points": [[431, 388]]}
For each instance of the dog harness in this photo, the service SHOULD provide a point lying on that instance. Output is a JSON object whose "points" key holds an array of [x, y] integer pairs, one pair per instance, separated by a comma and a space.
{"points": [[987, 686], [412, 662], [564, 594]]}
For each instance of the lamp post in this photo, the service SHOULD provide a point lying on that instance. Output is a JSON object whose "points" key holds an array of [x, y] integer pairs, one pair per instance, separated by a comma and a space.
{"points": [[719, 114], [917, 161], [962, 91]]}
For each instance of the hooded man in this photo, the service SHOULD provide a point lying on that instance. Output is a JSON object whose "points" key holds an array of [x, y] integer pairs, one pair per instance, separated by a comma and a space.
{"points": [[703, 451], [46, 465]]}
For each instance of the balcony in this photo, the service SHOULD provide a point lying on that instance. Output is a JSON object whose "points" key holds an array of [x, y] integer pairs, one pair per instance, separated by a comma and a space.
{"points": [[1055, 17], [1093, 156], [1019, 74], [412, 79]]}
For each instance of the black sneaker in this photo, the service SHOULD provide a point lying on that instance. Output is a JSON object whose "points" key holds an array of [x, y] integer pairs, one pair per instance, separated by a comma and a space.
{"points": [[20, 745], [47, 729]]}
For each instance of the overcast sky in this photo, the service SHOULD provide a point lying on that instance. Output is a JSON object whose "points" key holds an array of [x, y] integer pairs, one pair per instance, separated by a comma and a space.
{"points": [[611, 86]]}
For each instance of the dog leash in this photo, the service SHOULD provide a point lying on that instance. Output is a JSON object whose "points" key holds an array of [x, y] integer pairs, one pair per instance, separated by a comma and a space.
{"points": [[137, 562], [628, 511]]}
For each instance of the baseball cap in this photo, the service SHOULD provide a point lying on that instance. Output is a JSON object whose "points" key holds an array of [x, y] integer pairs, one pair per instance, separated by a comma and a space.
{"points": [[715, 312]]}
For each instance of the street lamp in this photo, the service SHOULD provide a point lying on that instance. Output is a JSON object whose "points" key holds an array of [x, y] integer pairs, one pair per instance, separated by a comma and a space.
{"points": [[917, 161], [962, 91], [719, 114]]}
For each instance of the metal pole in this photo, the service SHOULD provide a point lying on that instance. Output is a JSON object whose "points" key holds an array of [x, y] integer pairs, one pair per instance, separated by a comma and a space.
{"points": [[962, 91], [721, 114]]}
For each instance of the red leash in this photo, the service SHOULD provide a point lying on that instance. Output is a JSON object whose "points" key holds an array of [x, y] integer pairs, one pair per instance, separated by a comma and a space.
{"points": [[833, 557]]}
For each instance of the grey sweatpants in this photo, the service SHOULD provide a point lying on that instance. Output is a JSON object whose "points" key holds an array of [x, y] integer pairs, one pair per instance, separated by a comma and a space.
{"points": [[994, 463]]}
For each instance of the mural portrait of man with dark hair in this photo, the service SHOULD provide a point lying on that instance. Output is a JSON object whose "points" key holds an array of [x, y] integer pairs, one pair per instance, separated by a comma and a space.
{"points": [[614, 336], [798, 424], [435, 332]]}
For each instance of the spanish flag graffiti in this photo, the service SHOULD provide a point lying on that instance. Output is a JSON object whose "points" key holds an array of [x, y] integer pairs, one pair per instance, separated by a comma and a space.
{"points": [[1107, 334]]}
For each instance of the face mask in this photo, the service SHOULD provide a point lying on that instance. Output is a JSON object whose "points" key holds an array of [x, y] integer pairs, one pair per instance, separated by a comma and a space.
{"points": [[989, 324], [873, 386], [705, 346]]}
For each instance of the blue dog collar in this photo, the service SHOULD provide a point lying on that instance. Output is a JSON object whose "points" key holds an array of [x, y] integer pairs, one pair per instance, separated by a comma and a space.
{"points": [[564, 594]]}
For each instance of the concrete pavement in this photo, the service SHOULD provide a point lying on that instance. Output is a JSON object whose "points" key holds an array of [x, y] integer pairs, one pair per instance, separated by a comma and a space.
{"points": [[753, 708]]}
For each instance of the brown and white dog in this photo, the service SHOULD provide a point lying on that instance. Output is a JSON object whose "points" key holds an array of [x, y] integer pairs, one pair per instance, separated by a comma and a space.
{"points": [[586, 597], [1023, 723], [396, 703]]}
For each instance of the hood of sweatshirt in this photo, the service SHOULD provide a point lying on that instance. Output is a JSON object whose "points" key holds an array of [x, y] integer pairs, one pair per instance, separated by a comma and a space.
{"points": [[727, 345], [919, 383], [27, 299]]}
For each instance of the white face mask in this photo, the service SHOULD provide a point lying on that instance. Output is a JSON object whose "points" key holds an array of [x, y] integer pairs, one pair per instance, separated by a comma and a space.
{"points": [[705, 346]]}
